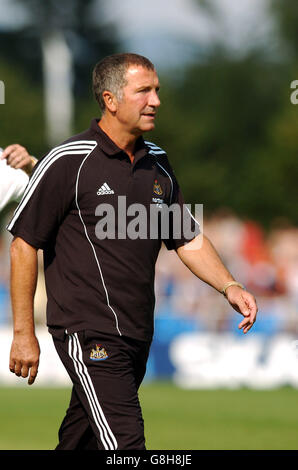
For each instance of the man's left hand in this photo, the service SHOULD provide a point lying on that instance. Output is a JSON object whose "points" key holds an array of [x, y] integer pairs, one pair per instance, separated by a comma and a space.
{"points": [[244, 303]]}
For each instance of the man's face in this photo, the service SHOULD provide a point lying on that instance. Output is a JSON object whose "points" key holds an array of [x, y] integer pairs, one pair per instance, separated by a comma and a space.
{"points": [[138, 105]]}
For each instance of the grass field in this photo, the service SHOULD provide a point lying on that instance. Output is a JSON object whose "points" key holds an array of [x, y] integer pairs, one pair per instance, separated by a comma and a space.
{"points": [[174, 418]]}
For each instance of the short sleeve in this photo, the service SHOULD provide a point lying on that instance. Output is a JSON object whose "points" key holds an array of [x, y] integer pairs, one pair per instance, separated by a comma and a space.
{"points": [[48, 196], [12, 184], [183, 225]]}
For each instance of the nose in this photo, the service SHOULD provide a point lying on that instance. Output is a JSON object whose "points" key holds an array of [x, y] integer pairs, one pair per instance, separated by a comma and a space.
{"points": [[154, 100]]}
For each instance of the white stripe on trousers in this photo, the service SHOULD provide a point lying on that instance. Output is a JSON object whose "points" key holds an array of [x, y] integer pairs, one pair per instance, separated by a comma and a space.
{"points": [[106, 435]]}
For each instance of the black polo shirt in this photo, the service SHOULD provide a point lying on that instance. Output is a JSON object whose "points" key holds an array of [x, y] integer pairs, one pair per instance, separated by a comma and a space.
{"points": [[93, 283]]}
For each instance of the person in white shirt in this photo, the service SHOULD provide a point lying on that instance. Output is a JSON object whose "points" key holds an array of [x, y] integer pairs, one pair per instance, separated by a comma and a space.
{"points": [[16, 166]]}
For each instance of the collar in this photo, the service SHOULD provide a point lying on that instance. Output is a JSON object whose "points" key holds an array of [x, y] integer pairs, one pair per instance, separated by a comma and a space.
{"points": [[108, 145]]}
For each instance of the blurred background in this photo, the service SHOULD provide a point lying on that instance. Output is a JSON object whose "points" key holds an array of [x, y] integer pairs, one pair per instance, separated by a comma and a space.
{"points": [[229, 126]]}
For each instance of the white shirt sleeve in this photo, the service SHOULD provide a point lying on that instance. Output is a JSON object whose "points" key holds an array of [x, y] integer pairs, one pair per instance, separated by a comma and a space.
{"points": [[12, 183]]}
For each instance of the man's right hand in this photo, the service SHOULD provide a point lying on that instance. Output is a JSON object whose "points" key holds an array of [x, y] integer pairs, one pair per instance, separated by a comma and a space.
{"points": [[24, 356]]}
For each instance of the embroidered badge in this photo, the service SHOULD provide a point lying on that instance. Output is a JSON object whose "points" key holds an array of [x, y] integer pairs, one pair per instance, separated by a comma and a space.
{"points": [[159, 202], [157, 188], [98, 354]]}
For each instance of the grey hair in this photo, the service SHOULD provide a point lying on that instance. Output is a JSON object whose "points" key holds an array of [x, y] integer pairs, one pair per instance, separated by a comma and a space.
{"points": [[109, 74]]}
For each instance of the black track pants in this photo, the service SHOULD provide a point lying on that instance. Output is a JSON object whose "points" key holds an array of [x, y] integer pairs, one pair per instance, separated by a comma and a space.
{"points": [[104, 411]]}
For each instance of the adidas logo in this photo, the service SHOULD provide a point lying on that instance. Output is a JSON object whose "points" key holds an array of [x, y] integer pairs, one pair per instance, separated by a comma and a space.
{"points": [[105, 189]]}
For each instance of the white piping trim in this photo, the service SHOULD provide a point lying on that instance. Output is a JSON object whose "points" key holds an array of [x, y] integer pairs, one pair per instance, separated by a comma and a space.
{"points": [[193, 217], [71, 347], [93, 249], [72, 146], [156, 152], [154, 147], [172, 185], [107, 437], [94, 393], [54, 155]]}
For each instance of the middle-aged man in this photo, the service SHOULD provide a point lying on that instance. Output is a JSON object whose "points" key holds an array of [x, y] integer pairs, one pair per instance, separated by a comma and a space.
{"points": [[101, 290]]}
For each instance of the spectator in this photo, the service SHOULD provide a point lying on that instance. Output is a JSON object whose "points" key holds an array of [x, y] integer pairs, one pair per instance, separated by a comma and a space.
{"points": [[12, 180]]}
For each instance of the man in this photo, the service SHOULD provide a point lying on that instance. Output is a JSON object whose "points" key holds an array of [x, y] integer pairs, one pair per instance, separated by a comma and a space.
{"points": [[12, 180], [101, 290]]}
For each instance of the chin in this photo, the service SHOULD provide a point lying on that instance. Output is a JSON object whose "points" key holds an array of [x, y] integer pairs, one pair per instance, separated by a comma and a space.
{"points": [[144, 128], [148, 127]]}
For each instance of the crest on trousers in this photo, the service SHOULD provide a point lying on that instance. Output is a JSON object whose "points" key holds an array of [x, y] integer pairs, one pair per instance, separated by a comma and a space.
{"points": [[98, 354], [157, 188]]}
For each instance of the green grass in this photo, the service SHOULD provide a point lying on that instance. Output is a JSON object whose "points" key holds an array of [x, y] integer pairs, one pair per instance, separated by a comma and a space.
{"points": [[174, 418], [220, 419]]}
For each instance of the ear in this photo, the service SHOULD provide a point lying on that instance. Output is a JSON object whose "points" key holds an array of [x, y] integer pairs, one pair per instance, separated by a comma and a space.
{"points": [[110, 101]]}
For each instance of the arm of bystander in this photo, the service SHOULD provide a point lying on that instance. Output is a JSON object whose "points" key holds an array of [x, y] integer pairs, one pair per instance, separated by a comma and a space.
{"points": [[18, 157]]}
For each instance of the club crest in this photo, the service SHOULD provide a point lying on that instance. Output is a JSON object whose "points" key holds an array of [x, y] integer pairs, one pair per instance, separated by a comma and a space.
{"points": [[157, 188], [98, 354]]}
